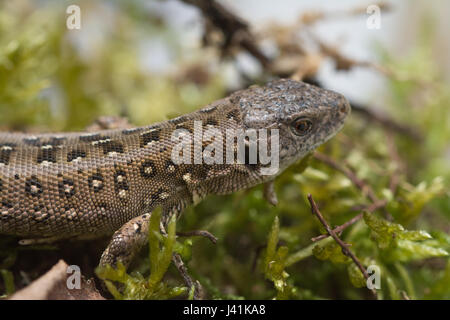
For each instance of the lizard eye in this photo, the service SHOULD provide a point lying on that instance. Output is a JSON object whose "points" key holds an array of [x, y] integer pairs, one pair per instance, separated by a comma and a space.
{"points": [[301, 126]]}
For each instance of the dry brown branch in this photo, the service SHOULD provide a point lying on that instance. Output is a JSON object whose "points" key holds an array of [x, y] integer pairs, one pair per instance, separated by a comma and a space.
{"points": [[400, 166], [346, 63], [294, 60], [342, 244], [360, 184], [182, 269], [234, 29], [311, 17], [352, 221], [179, 264], [364, 187], [198, 233], [386, 122]]}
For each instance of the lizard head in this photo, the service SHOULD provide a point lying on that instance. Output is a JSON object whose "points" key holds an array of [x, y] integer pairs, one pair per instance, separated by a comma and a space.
{"points": [[306, 116]]}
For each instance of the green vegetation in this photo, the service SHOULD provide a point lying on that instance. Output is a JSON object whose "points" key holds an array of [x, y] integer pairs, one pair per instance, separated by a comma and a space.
{"points": [[48, 83], [136, 286]]}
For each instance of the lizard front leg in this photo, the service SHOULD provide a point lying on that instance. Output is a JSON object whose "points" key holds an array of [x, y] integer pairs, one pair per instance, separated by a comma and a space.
{"points": [[133, 235]]}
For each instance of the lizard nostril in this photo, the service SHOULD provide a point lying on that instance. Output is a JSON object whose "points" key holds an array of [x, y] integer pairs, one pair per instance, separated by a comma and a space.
{"points": [[344, 108]]}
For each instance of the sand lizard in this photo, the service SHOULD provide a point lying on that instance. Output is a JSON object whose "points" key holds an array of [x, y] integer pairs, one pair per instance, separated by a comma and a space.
{"points": [[86, 185]]}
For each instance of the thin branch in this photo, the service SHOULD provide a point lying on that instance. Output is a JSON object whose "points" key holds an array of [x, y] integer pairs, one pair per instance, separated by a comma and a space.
{"points": [[386, 122], [364, 187], [400, 167], [342, 227], [311, 17], [179, 264], [342, 244], [199, 233], [234, 29], [182, 269], [345, 63], [236, 33]]}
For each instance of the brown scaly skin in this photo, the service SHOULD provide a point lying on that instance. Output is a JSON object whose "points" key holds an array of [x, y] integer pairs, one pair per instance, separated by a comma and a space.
{"points": [[79, 185]]}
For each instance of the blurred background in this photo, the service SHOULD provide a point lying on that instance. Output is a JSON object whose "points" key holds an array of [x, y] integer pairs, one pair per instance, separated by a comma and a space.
{"points": [[152, 60]]}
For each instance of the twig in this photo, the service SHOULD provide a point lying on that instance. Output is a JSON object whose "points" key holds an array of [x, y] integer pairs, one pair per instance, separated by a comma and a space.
{"points": [[236, 32], [340, 228], [352, 221], [386, 122], [346, 63], [234, 29], [199, 233], [181, 267], [311, 17], [364, 187], [342, 244], [400, 168], [179, 264]]}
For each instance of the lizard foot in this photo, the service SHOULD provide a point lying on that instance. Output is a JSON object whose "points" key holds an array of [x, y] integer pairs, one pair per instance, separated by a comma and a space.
{"points": [[126, 242], [132, 236]]}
